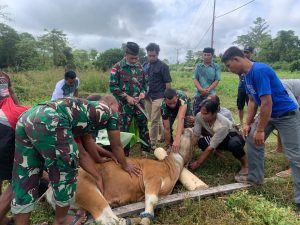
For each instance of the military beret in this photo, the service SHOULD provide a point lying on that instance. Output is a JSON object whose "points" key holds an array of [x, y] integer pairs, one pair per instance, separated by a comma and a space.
{"points": [[208, 50], [132, 48]]}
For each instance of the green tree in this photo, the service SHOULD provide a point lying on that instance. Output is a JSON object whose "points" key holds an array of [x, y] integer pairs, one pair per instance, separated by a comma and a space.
{"points": [[189, 56], [8, 50], [27, 56], [108, 58], [286, 46], [81, 58], [68, 62], [54, 43], [256, 36], [93, 55]]}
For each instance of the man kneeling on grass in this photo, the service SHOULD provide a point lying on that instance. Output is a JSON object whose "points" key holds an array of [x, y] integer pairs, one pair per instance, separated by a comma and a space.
{"points": [[213, 131]]}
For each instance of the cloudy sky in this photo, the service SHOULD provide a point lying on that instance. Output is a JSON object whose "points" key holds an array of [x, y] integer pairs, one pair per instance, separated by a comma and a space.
{"points": [[173, 24]]}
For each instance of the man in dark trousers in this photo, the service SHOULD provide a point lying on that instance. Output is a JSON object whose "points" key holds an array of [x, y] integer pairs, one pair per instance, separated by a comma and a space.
{"points": [[159, 80]]}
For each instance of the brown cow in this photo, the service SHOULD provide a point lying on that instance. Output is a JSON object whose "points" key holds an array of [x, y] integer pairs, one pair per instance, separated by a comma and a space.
{"points": [[158, 179]]}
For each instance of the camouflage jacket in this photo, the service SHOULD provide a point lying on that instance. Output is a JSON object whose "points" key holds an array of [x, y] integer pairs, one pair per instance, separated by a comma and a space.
{"points": [[167, 112], [127, 80], [84, 116]]}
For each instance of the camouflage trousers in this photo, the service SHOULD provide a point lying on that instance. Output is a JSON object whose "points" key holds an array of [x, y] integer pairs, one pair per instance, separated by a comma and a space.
{"points": [[41, 143], [142, 123]]}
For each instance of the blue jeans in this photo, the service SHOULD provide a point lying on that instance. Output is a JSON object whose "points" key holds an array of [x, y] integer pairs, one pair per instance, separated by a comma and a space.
{"points": [[289, 129]]}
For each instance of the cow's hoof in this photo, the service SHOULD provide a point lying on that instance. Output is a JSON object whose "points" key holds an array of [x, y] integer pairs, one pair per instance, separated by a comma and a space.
{"points": [[145, 221], [132, 221]]}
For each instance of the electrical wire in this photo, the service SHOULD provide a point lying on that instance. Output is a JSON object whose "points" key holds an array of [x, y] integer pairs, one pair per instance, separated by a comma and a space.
{"points": [[234, 9]]}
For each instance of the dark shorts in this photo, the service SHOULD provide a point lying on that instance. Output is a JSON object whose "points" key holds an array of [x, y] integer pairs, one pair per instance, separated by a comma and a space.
{"points": [[242, 98], [7, 151], [233, 143]]}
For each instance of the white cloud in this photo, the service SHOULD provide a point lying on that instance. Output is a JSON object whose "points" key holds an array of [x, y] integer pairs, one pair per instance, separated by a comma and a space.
{"points": [[173, 24]]}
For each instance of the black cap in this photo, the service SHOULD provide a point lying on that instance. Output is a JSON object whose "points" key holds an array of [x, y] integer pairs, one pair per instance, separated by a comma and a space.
{"points": [[248, 49], [208, 50], [132, 48]]}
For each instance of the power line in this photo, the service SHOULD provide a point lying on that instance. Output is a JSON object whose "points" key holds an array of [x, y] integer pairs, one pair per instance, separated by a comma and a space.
{"points": [[219, 17], [235, 9], [203, 36]]}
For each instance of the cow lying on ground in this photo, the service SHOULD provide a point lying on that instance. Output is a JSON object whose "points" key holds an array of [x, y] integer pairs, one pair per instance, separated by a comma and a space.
{"points": [[158, 179]]}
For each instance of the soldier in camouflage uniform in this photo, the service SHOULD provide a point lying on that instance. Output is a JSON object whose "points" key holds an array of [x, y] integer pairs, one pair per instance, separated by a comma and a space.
{"points": [[128, 85], [45, 138], [176, 104]]}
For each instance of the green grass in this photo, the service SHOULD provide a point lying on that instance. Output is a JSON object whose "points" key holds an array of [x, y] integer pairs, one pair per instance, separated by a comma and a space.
{"points": [[269, 204]]}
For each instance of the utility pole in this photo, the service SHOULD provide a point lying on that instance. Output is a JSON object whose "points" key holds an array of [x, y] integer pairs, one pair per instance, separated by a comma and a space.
{"points": [[213, 26], [177, 52]]}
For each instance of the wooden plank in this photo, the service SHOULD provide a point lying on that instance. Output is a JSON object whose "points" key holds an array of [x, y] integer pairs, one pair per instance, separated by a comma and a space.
{"points": [[177, 198]]}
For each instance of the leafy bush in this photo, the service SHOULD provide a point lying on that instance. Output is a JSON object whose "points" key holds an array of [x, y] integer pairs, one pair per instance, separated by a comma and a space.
{"points": [[280, 65], [295, 66]]}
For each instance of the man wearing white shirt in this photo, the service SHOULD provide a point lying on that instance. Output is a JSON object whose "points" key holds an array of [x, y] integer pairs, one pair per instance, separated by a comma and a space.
{"points": [[67, 87]]}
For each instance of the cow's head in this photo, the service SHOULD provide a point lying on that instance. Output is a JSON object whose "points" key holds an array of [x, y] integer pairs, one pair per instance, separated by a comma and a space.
{"points": [[186, 147]]}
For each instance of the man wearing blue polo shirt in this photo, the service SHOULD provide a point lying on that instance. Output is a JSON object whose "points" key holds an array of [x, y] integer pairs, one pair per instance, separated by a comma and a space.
{"points": [[277, 110]]}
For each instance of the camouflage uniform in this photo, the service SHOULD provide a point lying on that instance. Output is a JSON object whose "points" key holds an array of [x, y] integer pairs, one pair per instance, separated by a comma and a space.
{"points": [[130, 80], [45, 139], [171, 113]]}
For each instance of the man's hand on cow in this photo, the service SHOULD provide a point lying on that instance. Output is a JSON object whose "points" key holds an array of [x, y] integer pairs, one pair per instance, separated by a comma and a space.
{"points": [[141, 96], [176, 145], [130, 100], [194, 165], [105, 159], [132, 169], [112, 157]]}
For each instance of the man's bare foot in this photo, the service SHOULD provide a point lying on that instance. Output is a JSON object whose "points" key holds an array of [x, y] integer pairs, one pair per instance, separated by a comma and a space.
{"points": [[243, 171], [77, 219]]}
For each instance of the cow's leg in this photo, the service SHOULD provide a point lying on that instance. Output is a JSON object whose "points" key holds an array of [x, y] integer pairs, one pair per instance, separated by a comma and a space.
{"points": [[152, 189], [91, 199]]}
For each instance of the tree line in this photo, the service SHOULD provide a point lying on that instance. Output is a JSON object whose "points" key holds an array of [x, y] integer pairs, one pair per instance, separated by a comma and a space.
{"points": [[23, 51]]}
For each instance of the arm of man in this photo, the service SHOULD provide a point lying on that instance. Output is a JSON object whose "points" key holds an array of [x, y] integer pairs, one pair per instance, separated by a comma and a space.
{"points": [[88, 164], [114, 87], [76, 90], [202, 158], [168, 85], [213, 85], [198, 86], [167, 131], [264, 116], [91, 147], [166, 76], [251, 112], [76, 93], [216, 139], [180, 127], [58, 92], [107, 154], [117, 149]]}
